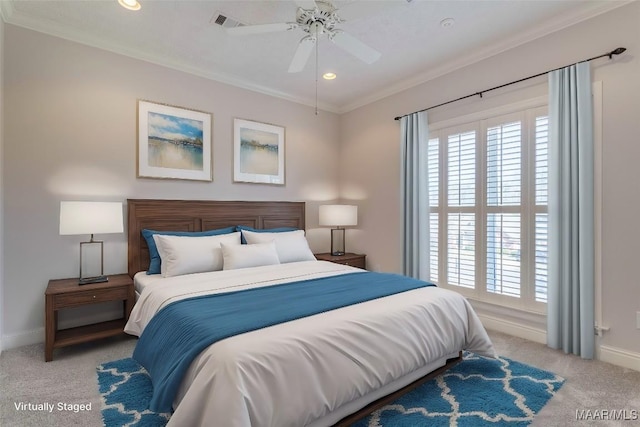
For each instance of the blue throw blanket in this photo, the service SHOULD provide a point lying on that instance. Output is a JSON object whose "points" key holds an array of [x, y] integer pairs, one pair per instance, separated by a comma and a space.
{"points": [[181, 330]]}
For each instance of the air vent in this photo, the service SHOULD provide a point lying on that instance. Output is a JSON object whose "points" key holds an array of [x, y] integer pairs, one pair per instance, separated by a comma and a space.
{"points": [[225, 21]]}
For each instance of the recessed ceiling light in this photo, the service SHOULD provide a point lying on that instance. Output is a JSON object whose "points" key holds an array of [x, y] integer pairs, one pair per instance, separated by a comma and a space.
{"points": [[130, 4], [447, 22], [329, 76]]}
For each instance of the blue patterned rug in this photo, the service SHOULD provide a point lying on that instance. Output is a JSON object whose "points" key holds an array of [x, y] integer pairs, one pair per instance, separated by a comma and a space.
{"points": [[476, 392], [125, 388]]}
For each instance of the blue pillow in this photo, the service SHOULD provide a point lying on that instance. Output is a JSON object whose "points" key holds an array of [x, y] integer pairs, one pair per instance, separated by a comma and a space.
{"points": [[262, 230], [154, 256]]}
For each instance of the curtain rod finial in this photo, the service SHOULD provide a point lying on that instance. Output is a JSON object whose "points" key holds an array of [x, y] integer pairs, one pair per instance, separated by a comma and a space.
{"points": [[617, 51]]}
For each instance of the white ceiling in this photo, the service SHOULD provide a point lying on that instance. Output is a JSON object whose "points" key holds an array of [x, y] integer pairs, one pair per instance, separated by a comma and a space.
{"points": [[414, 46]]}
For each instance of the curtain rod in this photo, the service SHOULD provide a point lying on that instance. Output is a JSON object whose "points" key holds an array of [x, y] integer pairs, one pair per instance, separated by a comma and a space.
{"points": [[617, 51]]}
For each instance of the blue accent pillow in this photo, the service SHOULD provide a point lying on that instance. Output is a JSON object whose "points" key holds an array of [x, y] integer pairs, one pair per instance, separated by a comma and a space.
{"points": [[262, 230], [154, 256]]}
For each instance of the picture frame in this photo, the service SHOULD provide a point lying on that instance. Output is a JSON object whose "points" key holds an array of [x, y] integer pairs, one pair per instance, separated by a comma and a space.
{"points": [[258, 152], [174, 142]]}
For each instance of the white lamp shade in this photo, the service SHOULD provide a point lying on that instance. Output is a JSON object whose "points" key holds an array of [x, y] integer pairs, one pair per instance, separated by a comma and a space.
{"points": [[90, 218], [338, 215]]}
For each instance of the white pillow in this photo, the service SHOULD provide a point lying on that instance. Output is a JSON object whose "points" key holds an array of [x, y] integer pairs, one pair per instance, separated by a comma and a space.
{"points": [[188, 254], [245, 256], [292, 246]]}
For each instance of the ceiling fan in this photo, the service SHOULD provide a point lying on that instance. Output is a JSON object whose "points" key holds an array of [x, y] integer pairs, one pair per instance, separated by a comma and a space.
{"points": [[314, 18]]}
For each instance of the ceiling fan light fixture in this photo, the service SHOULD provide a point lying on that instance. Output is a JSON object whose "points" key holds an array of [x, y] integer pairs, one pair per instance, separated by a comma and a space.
{"points": [[329, 76], [130, 4], [316, 18]]}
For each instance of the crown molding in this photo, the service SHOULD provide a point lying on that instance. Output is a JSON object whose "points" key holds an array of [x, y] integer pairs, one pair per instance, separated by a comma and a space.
{"points": [[559, 23], [14, 17], [54, 29]]}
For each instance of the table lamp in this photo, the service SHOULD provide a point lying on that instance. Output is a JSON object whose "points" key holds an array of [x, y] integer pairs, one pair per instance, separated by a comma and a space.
{"points": [[91, 218], [338, 216]]}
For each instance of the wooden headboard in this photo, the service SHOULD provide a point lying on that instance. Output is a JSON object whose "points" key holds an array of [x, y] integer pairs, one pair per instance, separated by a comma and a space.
{"points": [[201, 215]]}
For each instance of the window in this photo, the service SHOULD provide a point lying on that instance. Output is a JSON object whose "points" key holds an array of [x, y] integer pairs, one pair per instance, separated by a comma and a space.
{"points": [[488, 208]]}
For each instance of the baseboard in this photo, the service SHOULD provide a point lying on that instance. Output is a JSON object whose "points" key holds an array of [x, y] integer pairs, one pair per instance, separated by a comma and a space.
{"points": [[70, 318], [515, 329], [24, 338], [615, 356], [620, 357]]}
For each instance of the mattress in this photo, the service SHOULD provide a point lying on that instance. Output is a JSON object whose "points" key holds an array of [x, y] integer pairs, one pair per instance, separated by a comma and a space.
{"points": [[141, 280], [318, 369]]}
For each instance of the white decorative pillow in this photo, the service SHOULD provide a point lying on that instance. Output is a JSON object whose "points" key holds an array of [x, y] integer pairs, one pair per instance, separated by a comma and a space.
{"points": [[186, 254], [292, 246], [245, 256]]}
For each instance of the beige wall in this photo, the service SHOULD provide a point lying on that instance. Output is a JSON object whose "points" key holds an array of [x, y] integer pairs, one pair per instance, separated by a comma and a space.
{"points": [[71, 134], [370, 149], [1, 180]]}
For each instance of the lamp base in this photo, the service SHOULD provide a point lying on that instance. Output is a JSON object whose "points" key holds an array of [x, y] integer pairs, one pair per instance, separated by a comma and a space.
{"points": [[99, 278], [337, 241], [89, 280]]}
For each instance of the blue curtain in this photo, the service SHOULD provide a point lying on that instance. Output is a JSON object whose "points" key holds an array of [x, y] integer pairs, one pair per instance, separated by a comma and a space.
{"points": [[414, 195], [570, 306]]}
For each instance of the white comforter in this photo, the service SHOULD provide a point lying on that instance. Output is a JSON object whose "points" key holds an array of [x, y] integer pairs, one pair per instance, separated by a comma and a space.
{"points": [[308, 370]]}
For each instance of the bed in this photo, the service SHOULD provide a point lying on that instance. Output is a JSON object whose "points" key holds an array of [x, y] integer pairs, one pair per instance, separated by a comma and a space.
{"points": [[328, 368]]}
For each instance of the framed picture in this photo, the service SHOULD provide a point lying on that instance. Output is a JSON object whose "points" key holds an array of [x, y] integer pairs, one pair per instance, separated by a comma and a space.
{"points": [[258, 152], [173, 142]]}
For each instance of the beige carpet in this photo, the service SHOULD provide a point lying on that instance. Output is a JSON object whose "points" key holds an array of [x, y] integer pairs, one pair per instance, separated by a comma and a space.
{"points": [[71, 379]]}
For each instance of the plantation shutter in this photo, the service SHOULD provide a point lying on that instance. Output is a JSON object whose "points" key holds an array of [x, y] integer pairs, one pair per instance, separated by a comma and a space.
{"points": [[504, 189], [488, 208], [434, 193], [541, 191], [461, 197]]}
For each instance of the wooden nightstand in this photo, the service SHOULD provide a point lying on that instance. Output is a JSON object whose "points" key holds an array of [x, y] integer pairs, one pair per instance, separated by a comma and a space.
{"points": [[66, 293], [354, 260]]}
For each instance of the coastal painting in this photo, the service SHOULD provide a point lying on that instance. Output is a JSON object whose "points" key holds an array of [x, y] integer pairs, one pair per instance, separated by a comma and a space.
{"points": [[258, 152], [173, 142]]}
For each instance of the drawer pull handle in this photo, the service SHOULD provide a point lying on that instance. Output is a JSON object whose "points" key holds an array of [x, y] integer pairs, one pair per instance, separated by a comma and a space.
{"points": [[94, 297]]}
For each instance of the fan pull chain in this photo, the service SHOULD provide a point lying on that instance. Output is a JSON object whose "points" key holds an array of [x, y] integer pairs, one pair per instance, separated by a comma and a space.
{"points": [[317, 43]]}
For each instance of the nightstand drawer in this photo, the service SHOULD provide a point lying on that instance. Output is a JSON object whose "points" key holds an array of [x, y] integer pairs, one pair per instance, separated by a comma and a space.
{"points": [[350, 259], [89, 297], [356, 262]]}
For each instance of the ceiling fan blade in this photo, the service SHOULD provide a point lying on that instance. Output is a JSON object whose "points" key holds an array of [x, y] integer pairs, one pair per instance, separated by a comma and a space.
{"points": [[306, 4], [355, 47], [244, 30], [300, 58]]}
